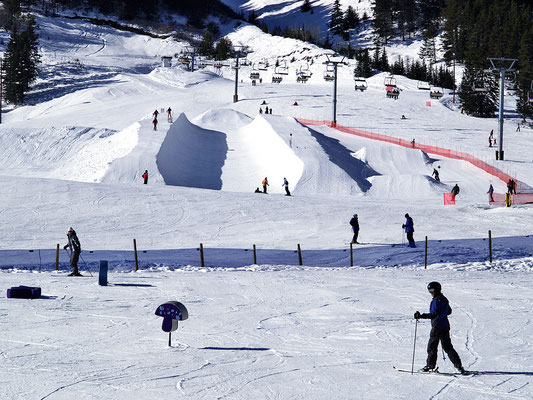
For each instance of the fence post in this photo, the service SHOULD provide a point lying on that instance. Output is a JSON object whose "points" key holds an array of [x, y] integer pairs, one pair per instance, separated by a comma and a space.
{"points": [[57, 257], [135, 252], [202, 255], [490, 246], [351, 255], [255, 256], [300, 254], [426, 255]]}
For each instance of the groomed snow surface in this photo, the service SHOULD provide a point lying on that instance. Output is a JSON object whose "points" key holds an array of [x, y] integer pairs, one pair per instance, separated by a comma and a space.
{"points": [[274, 329]]}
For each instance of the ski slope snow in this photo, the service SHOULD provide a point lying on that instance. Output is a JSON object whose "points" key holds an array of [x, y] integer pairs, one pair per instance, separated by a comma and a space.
{"points": [[267, 328]]}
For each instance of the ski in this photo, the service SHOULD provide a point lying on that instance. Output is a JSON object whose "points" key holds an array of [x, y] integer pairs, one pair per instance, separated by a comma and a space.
{"points": [[434, 372]]}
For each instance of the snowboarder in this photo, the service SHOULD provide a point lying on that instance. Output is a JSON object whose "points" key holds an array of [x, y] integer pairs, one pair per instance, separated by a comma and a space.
{"points": [[270, 111], [169, 114], [403, 117], [155, 114], [260, 110], [263, 103], [145, 176], [455, 190], [295, 103], [75, 250], [286, 184], [155, 124], [490, 192], [413, 143], [409, 227], [436, 174], [518, 127], [511, 186], [266, 110], [354, 222], [265, 184], [257, 190], [439, 309]]}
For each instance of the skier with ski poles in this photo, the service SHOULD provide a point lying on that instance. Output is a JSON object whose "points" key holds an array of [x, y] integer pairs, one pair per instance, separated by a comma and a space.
{"points": [[439, 309], [75, 250]]}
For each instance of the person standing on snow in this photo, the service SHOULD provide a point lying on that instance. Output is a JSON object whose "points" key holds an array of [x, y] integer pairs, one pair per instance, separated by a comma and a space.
{"points": [[265, 184], [156, 113], [145, 176], [439, 309], [169, 114], [409, 227], [490, 192], [155, 124], [455, 190], [436, 174], [354, 222], [75, 250], [286, 185]]}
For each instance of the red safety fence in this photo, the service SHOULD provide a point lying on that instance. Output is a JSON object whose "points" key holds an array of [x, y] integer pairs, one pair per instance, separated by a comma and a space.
{"points": [[519, 198]]}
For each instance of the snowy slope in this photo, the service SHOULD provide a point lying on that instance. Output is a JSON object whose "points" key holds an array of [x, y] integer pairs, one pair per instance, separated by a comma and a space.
{"points": [[275, 329]]}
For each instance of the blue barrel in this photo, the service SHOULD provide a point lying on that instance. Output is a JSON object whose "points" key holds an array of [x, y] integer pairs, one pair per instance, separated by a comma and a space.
{"points": [[102, 273]]}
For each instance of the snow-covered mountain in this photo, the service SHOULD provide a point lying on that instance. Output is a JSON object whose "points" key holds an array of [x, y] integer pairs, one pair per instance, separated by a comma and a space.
{"points": [[269, 328]]}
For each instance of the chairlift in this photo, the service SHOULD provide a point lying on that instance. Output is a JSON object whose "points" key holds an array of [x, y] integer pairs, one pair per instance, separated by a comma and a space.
{"points": [[263, 65], [360, 83], [254, 74], [329, 75], [392, 92], [435, 93], [421, 85], [478, 86], [390, 81], [282, 69], [276, 78]]}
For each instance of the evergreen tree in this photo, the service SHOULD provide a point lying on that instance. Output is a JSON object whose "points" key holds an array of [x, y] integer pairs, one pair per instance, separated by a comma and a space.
{"points": [[306, 6], [351, 19], [206, 46], [364, 64], [476, 102], [336, 19], [223, 49], [428, 51], [383, 21], [20, 60]]}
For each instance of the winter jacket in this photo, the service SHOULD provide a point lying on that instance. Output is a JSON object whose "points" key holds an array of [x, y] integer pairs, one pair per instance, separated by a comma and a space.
{"points": [[355, 224], [265, 182], [439, 309], [409, 225], [74, 243]]}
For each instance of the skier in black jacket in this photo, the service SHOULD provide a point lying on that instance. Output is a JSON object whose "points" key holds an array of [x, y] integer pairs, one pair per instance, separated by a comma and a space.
{"points": [[354, 222], [75, 250], [439, 309]]}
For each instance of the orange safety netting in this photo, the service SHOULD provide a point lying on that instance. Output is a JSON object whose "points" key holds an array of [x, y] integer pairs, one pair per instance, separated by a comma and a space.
{"points": [[519, 198]]}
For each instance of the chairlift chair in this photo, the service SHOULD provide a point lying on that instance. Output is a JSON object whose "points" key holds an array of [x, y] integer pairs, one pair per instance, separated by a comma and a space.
{"points": [[479, 87], [360, 84], [282, 69], [390, 81], [421, 85], [254, 74], [392, 92], [262, 65], [435, 93], [276, 78]]}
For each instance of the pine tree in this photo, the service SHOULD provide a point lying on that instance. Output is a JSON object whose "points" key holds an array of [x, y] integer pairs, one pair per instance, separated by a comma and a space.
{"points": [[20, 60], [223, 49], [383, 21], [306, 6], [336, 19], [476, 102], [206, 46], [428, 51]]}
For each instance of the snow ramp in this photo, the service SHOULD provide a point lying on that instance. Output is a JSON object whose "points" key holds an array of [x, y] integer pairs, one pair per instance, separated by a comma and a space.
{"points": [[192, 156]]}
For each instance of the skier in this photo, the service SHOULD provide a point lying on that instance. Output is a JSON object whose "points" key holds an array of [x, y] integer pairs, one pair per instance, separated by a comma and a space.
{"points": [[286, 184], [439, 309], [75, 250], [266, 110], [436, 174], [270, 111], [169, 114], [354, 222], [260, 110], [518, 127], [490, 192], [455, 190], [413, 143], [155, 124], [145, 176], [156, 113], [265, 184], [409, 227]]}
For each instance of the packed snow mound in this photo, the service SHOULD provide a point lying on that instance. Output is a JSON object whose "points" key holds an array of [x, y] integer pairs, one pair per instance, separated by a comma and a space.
{"points": [[222, 118], [177, 76], [192, 156], [71, 153]]}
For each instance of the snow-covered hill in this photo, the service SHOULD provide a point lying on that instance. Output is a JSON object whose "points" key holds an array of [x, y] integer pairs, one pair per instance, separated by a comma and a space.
{"points": [[274, 329]]}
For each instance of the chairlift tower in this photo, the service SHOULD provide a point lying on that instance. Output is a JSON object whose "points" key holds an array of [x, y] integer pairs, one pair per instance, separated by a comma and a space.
{"points": [[239, 52], [502, 70], [335, 63]]}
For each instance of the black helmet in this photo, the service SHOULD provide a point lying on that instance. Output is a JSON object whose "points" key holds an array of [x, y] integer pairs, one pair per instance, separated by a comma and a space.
{"points": [[434, 287]]}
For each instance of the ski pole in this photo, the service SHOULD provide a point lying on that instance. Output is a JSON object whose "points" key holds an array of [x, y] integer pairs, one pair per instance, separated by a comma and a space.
{"points": [[86, 265], [414, 347]]}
